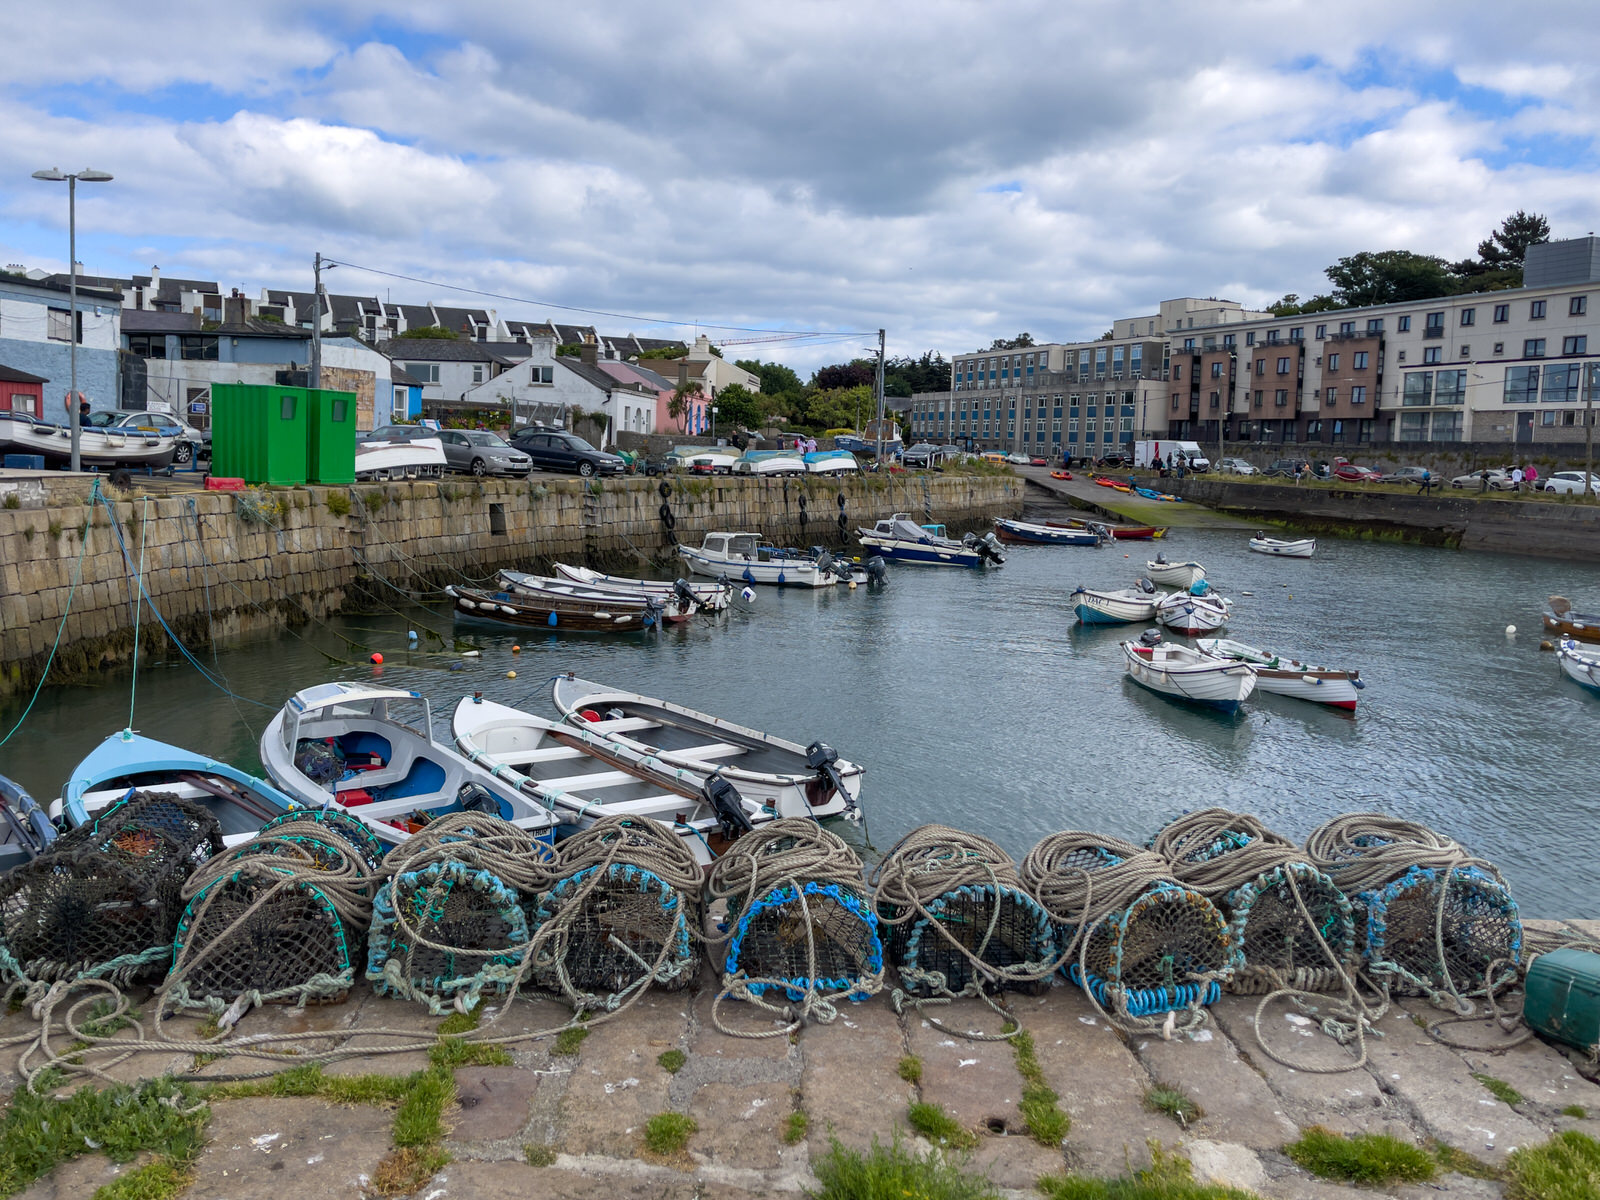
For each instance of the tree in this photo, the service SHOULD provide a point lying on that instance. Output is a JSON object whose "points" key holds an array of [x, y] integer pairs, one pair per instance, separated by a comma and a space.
{"points": [[1388, 276], [1500, 255], [437, 333], [684, 397], [664, 352], [846, 375], [776, 379], [840, 408], [908, 376], [1017, 343], [1292, 306], [738, 405]]}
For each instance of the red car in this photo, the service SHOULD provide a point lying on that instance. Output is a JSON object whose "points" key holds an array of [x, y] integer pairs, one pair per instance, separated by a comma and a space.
{"points": [[1343, 468], [1038, 462]]}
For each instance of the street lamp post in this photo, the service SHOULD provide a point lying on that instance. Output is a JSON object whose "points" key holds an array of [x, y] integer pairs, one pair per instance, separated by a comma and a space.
{"points": [[55, 175], [713, 422]]}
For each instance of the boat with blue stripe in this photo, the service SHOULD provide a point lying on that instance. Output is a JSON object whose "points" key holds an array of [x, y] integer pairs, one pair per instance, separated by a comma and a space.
{"points": [[901, 539]]}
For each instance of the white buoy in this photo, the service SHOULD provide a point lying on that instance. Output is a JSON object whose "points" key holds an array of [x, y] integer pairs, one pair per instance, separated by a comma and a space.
{"points": [[1511, 631], [749, 595], [411, 635], [469, 654]]}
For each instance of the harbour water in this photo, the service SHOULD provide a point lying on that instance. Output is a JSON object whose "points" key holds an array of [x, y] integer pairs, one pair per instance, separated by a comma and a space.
{"points": [[974, 700]]}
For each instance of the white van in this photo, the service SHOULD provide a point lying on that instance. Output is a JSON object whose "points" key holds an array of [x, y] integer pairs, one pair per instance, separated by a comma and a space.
{"points": [[1146, 454]]}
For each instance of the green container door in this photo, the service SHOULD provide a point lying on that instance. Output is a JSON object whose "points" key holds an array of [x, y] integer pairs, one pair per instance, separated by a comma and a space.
{"points": [[333, 436], [1562, 997], [260, 433]]}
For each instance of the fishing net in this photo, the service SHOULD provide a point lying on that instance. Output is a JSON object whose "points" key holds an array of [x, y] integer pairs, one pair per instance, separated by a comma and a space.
{"points": [[280, 919], [451, 922], [1151, 945], [618, 919], [1292, 925], [323, 825], [961, 922], [796, 920], [1434, 919], [103, 901]]}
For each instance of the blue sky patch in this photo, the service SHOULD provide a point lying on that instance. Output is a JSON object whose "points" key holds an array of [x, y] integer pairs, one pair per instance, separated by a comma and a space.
{"points": [[1009, 185]]}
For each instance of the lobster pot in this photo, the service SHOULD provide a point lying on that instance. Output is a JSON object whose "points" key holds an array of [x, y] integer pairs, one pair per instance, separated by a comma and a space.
{"points": [[1276, 944], [622, 927], [1021, 935], [104, 900], [328, 827], [1479, 927], [444, 928], [781, 934], [1144, 957], [263, 928]]}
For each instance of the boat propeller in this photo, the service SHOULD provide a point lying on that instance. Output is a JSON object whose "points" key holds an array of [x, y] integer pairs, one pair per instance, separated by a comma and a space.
{"points": [[822, 758], [726, 802]]}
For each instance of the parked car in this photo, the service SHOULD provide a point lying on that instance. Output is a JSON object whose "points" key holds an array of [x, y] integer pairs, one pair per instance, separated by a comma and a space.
{"points": [[1286, 466], [1568, 483], [479, 452], [1351, 472], [191, 442], [1237, 466], [557, 450], [1116, 458], [397, 433], [1407, 475], [1498, 480], [1018, 460], [1038, 461], [921, 455]]}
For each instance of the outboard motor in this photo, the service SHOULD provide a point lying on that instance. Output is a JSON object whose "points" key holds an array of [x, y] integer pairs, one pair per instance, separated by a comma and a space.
{"points": [[990, 549], [474, 797], [615, 714], [1150, 637], [653, 611], [825, 561], [821, 757], [1161, 557], [877, 570], [969, 540], [1103, 532], [726, 802], [1145, 586], [685, 594]]}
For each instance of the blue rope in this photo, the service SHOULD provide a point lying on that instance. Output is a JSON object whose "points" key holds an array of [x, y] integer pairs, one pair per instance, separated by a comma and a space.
{"points": [[138, 611]]}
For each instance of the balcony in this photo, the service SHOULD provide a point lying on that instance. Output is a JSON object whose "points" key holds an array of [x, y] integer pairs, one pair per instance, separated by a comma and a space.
{"points": [[1433, 332]]}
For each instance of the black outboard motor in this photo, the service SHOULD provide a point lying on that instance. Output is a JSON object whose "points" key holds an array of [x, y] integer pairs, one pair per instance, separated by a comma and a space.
{"points": [[1103, 532], [989, 547], [821, 757], [877, 570], [474, 797], [685, 594], [726, 802], [1145, 586], [1161, 557], [1150, 637], [825, 561]]}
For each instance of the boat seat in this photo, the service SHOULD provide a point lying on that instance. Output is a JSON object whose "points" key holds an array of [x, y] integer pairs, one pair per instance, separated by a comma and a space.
{"points": [[515, 759], [596, 779], [709, 750], [620, 725]]}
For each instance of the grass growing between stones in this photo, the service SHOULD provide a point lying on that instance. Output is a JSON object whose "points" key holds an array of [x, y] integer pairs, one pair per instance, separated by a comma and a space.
{"points": [[1047, 1124], [893, 1173], [667, 1134], [538, 1155], [939, 1127], [337, 504], [1499, 1089], [1174, 1104], [568, 1041], [1366, 1158], [671, 1061], [1459, 1162], [158, 1180], [1567, 1167], [461, 1022], [455, 1052], [38, 1133], [795, 1127], [1575, 1110], [1168, 1177], [910, 1069]]}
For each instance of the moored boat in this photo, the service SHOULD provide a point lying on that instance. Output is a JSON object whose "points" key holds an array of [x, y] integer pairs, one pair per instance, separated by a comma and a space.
{"points": [[1122, 533], [1181, 672], [241, 802], [1585, 627], [711, 596], [901, 539], [1047, 535], [1290, 677], [1173, 574], [370, 751], [1580, 666], [745, 556], [1121, 607], [97, 447], [1194, 611], [678, 742], [605, 614], [26, 828], [676, 606], [1284, 548]]}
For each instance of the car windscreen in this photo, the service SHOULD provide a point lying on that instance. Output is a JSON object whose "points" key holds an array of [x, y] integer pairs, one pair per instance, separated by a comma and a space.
{"points": [[480, 438], [574, 442]]}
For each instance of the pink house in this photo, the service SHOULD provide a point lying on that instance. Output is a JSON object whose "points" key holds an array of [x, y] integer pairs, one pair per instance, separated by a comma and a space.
{"points": [[698, 418]]}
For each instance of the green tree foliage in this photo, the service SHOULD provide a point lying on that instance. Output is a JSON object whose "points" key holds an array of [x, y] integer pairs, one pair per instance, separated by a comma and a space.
{"points": [[846, 375], [1388, 276], [663, 352], [683, 399], [839, 408], [569, 349], [1500, 255], [1292, 306], [737, 405], [436, 333], [907, 376], [776, 379], [1019, 342]]}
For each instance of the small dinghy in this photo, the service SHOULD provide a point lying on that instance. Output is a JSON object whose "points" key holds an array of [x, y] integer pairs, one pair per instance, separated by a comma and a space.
{"points": [[128, 761], [1121, 533], [712, 597], [1181, 672], [674, 742], [1298, 548], [1173, 574], [1561, 620], [581, 774], [1121, 607], [1290, 677], [745, 556], [678, 606], [370, 751], [1196, 610], [608, 614], [1580, 665], [1049, 535], [26, 828]]}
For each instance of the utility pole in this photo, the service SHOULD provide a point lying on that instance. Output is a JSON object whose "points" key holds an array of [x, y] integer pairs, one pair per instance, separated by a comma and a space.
{"points": [[316, 322], [1588, 429], [879, 387]]}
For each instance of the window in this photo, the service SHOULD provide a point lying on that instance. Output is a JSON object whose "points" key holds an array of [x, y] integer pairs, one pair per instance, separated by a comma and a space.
{"points": [[1227, 341], [1283, 366], [1297, 334], [1466, 351], [477, 372], [1431, 354], [1575, 345], [1216, 370], [1499, 347], [1502, 313], [1333, 362], [424, 373], [1418, 388], [1400, 355], [1359, 361], [1577, 306], [1522, 385], [1434, 326], [1451, 387], [1403, 324], [148, 345], [60, 322], [1272, 337], [1216, 399], [1177, 371], [22, 402], [1561, 382], [1333, 395], [1249, 339], [1374, 324], [198, 347], [1469, 316], [1322, 332], [1536, 310], [1533, 348], [1358, 395]]}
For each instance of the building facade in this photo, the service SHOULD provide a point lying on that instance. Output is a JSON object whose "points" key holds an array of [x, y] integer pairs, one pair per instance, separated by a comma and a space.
{"points": [[36, 333]]}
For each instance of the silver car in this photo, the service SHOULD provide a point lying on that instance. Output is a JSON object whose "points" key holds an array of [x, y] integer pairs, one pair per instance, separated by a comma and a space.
{"points": [[189, 442], [481, 453]]}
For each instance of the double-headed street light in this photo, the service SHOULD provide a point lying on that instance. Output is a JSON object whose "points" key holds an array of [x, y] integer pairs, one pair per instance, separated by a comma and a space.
{"points": [[56, 175]]}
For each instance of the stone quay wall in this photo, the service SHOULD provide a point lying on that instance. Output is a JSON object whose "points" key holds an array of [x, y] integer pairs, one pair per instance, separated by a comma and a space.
{"points": [[1440, 518], [220, 564]]}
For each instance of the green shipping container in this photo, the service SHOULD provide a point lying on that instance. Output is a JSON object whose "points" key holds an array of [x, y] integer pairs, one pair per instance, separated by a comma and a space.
{"points": [[260, 433], [333, 436], [1562, 998]]}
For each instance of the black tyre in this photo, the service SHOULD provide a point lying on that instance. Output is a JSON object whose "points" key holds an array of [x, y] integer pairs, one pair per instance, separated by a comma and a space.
{"points": [[668, 521], [183, 453], [844, 522], [841, 499], [586, 468], [479, 468], [664, 489]]}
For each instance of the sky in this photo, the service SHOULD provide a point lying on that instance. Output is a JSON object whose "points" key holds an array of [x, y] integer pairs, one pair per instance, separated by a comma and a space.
{"points": [[946, 170]]}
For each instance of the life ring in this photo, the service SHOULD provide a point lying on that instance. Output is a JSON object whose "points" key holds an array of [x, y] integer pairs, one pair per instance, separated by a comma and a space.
{"points": [[663, 489]]}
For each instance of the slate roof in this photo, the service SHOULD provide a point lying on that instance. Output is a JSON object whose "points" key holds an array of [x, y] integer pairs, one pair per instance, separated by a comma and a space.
{"points": [[628, 345], [398, 375], [152, 320], [434, 350], [345, 309], [417, 316], [171, 286], [12, 375], [598, 377], [456, 319]]}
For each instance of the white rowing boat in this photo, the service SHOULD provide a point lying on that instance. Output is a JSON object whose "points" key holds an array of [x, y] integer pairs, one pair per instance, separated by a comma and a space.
{"points": [[1191, 614], [1290, 677], [1183, 673], [1173, 574], [1297, 548]]}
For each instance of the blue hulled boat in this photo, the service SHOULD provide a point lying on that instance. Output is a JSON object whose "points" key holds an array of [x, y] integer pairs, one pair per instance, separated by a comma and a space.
{"points": [[901, 539]]}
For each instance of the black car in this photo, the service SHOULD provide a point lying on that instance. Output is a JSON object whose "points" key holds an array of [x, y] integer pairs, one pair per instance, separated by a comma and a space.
{"points": [[920, 455], [1288, 466], [557, 450]]}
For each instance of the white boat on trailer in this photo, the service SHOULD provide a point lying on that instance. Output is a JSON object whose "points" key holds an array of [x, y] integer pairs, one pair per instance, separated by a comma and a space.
{"points": [[1191, 613], [1173, 574], [1181, 672], [420, 458], [581, 775], [745, 556], [1124, 606], [370, 751], [1290, 548], [1290, 677], [713, 597], [680, 743], [109, 447]]}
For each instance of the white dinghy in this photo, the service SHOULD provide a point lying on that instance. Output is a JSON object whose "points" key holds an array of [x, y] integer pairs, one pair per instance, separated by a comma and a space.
{"points": [[1194, 612], [1183, 673], [1289, 677], [1296, 548], [1173, 574]]}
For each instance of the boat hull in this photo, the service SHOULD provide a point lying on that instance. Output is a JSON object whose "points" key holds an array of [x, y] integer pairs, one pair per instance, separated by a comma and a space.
{"points": [[712, 596], [1303, 548], [419, 459], [1290, 677], [503, 608], [776, 572], [21, 434], [1121, 533], [1043, 535], [1174, 575], [1583, 669], [1191, 678], [922, 553], [1192, 614], [1112, 608], [1585, 627]]}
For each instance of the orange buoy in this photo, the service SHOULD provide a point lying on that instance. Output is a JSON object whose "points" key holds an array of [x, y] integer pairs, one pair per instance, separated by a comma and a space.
{"points": [[377, 659]]}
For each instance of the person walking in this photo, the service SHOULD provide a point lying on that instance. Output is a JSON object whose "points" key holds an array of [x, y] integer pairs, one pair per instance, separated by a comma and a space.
{"points": [[1530, 476], [1425, 483], [1516, 480]]}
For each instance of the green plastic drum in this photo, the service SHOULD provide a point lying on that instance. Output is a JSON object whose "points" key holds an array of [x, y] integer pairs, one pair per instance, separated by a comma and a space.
{"points": [[1563, 997]]}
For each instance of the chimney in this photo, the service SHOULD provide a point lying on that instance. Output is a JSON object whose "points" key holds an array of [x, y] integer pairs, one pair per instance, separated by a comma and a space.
{"points": [[235, 309], [590, 354]]}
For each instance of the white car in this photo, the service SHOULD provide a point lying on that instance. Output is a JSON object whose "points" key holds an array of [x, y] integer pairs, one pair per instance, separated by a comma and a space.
{"points": [[1018, 460], [1498, 480], [1237, 466], [1567, 483]]}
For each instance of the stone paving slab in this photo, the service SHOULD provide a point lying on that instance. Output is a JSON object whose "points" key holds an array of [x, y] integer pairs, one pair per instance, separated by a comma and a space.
{"points": [[740, 1124], [518, 1181], [269, 1149], [495, 1102], [615, 1084], [850, 1086], [1205, 1066], [975, 1082]]}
